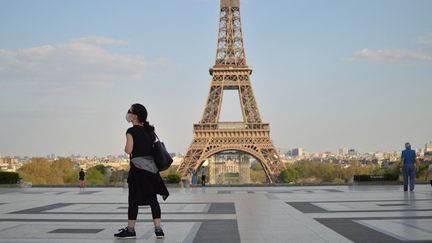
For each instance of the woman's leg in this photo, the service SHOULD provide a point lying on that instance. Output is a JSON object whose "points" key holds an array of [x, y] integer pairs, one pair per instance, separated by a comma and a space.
{"points": [[156, 222], [132, 215], [129, 231], [131, 224], [156, 212]]}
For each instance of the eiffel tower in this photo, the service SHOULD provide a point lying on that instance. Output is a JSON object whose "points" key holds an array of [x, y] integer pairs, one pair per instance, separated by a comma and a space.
{"points": [[231, 72]]}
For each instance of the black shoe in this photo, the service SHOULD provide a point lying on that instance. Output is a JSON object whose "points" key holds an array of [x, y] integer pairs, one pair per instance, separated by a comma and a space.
{"points": [[159, 233], [125, 234]]}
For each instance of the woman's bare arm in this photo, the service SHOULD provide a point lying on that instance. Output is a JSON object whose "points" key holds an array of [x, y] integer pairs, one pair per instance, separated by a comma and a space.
{"points": [[129, 144]]}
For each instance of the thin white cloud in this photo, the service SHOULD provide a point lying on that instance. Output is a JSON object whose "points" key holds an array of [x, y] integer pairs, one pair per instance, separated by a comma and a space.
{"points": [[76, 63], [425, 40], [100, 40], [393, 54]]}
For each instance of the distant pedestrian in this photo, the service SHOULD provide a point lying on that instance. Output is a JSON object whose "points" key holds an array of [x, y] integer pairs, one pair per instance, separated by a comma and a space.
{"points": [[429, 174], [203, 176], [194, 177], [144, 179], [408, 159], [82, 179]]}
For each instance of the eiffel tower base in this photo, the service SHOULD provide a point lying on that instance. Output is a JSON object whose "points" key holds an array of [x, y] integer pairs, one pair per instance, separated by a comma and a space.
{"points": [[255, 142]]}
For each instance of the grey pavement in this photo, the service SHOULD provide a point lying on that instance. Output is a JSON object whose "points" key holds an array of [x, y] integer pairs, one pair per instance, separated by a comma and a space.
{"points": [[222, 214]]}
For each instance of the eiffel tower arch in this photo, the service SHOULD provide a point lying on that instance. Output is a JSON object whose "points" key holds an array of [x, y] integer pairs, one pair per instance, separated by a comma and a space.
{"points": [[231, 72]]}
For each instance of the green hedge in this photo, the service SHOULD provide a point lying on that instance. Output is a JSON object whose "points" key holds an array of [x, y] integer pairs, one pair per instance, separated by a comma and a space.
{"points": [[173, 178], [9, 178], [288, 175]]}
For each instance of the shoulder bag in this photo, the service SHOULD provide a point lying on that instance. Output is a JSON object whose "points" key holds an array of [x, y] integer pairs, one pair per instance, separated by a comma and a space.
{"points": [[162, 158]]}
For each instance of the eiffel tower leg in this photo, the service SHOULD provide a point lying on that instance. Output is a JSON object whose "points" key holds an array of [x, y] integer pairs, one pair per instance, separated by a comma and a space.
{"points": [[273, 163], [193, 156]]}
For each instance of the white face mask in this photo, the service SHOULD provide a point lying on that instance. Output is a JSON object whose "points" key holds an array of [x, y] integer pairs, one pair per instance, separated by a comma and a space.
{"points": [[128, 118]]}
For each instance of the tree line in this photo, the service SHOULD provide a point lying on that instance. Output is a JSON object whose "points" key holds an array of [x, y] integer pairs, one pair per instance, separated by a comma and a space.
{"points": [[63, 171], [316, 172]]}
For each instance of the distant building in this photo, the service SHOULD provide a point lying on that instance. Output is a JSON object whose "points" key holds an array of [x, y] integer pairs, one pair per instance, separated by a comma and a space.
{"points": [[177, 160], [9, 164], [9, 160], [352, 152], [297, 152], [379, 155], [421, 152], [428, 147], [343, 151], [428, 152]]}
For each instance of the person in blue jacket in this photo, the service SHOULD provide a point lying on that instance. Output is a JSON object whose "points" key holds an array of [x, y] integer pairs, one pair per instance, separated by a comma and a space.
{"points": [[409, 167]]}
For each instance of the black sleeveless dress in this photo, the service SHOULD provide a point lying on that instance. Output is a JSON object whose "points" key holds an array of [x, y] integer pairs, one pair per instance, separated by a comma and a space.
{"points": [[143, 185]]}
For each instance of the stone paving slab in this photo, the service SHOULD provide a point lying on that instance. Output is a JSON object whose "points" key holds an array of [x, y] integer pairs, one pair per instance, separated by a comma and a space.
{"points": [[222, 215]]}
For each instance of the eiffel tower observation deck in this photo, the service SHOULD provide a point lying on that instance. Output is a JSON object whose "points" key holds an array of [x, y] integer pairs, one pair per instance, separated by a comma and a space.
{"points": [[231, 72]]}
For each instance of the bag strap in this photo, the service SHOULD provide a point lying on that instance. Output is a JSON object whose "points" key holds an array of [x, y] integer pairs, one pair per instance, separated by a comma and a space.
{"points": [[158, 139]]}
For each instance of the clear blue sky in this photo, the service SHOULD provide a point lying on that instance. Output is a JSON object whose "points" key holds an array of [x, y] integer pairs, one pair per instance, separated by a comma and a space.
{"points": [[327, 74]]}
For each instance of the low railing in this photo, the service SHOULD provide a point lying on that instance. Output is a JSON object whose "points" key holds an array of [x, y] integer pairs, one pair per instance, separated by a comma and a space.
{"points": [[232, 126]]}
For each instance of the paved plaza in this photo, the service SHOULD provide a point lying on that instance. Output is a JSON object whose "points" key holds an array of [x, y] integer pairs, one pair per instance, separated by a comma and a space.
{"points": [[222, 214]]}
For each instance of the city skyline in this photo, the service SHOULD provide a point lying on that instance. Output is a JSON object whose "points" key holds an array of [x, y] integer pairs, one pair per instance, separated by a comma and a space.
{"points": [[285, 151], [326, 75]]}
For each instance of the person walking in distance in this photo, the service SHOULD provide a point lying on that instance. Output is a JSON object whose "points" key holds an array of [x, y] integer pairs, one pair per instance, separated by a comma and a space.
{"points": [[408, 159], [203, 176], [194, 177], [82, 179], [144, 179]]}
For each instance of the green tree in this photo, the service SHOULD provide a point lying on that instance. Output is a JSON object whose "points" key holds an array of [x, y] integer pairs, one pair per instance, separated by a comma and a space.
{"points": [[117, 176], [326, 172], [288, 175], [171, 170], [256, 166], [94, 176], [101, 169], [356, 168], [42, 171], [257, 174], [423, 168], [65, 168], [37, 170], [307, 169]]}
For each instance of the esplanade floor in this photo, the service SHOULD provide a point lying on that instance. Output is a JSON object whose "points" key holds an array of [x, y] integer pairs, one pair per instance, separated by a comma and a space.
{"points": [[222, 214]]}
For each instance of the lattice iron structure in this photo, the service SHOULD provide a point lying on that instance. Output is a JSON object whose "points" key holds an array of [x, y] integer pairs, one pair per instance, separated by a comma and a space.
{"points": [[231, 72]]}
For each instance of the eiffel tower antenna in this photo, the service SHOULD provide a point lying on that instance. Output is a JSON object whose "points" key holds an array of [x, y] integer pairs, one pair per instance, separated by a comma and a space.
{"points": [[231, 72]]}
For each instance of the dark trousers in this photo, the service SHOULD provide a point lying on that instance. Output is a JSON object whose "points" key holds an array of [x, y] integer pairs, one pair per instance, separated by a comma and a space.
{"points": [[155, 209], [203, 178], [409, 174]]}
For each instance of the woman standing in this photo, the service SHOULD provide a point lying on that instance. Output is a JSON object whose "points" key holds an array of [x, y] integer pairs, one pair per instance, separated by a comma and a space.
{"points": [[144, 179]]}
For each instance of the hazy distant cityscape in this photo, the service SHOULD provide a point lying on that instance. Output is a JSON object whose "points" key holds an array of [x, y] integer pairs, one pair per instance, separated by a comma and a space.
{"points": [[383, 159]]}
